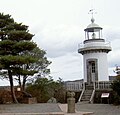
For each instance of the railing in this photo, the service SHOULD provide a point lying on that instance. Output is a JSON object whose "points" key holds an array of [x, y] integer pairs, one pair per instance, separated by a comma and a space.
{"points": [[103, 85], [74, 86], [80, 86], [92, 96], [93, 93], [82, 45], [82, 92]]}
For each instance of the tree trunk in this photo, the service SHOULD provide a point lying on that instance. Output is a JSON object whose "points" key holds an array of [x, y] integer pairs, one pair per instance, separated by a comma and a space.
{"points": [[12, 87], [24, 82], [19, 81]]}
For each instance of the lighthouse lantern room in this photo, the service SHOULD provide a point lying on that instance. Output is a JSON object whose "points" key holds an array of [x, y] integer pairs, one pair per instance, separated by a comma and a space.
{"points": [[94, 50]]}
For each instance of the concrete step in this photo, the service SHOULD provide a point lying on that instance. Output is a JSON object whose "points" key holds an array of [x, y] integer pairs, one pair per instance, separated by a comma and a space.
{"points": [[86, 95], [86, 98], [90, 88]]}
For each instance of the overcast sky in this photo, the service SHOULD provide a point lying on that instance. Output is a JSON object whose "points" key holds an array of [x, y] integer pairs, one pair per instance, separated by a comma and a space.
{"points": [[59, 26]]}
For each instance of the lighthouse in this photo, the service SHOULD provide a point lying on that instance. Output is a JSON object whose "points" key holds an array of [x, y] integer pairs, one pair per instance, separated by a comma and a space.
{"points": [[94, 50]]}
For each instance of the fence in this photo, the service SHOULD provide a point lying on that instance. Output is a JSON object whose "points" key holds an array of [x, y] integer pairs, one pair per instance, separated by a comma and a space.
{"points": [[78, 86], [103, 85], [74, 86]]}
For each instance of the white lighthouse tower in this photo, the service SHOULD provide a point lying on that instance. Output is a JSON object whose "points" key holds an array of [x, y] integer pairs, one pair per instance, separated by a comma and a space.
{"points": [[94, 50]]}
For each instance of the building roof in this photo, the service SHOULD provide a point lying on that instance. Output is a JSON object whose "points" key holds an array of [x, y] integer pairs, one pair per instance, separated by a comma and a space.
{"points": [[92, 26]]}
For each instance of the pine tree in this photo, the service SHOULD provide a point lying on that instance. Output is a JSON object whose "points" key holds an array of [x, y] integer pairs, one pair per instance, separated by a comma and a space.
{"points": [[15, 40], [39, 67]]}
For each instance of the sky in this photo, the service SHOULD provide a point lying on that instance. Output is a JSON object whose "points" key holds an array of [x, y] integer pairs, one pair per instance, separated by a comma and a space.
{"points": [[59, 26]]}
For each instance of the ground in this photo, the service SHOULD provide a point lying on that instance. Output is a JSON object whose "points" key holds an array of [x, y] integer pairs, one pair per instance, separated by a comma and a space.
{"points": [[55, 109]]}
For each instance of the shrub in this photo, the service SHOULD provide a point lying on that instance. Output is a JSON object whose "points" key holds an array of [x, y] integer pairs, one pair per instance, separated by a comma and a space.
{"points": [[116, 88]]}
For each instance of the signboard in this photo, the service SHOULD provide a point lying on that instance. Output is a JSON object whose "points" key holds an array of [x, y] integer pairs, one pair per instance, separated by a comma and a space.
{"points": [[105, 95]]}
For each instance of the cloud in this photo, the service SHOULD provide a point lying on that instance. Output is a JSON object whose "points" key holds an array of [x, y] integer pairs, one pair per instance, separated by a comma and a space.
{"points": [[114, 58], [68, 67], [111, 71], [113, 36], [111, 33], [59, 26], [60, 39], [61, 44]]}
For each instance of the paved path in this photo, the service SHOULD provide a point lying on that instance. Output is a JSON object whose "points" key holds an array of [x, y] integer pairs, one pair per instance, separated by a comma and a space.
{"points": [[63, 107], [30, 109], [58, 109], [36, 109], [99, 109]]}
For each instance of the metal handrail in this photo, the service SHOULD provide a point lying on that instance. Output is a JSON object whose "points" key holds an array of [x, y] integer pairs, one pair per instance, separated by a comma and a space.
{"points": [[82, 92], [93, 93], [92, 96]]}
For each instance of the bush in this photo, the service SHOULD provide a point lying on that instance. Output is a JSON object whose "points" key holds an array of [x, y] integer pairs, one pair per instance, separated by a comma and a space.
{"points": [[116, 88], [5, 97], [43, 89], [116, 99]]}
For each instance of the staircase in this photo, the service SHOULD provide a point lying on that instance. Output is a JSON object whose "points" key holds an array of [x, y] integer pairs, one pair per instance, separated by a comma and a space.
{"points": [[86, 96]]}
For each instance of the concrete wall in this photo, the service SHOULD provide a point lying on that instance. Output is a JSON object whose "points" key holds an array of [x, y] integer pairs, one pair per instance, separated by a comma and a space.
{"points": [[102, 65]]}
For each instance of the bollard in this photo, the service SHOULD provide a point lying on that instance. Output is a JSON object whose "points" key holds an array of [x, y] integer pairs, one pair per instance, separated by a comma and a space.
{"points": [[71, 102]]}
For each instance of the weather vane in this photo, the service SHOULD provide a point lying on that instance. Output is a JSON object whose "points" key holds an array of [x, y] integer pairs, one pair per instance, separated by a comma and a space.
{"points": [[92, 12]]}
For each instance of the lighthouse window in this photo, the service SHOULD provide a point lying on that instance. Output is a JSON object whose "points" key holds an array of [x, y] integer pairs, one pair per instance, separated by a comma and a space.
{"points": [[93, 67]]}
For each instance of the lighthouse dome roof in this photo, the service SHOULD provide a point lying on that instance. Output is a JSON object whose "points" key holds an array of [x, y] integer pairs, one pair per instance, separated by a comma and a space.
{"points": [[92, 26]]}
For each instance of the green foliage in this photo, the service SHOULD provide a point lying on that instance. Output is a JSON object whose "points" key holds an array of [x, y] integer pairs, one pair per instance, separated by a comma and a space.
{"points": [[18, 26], [15, 40], [116, 88], [39, 89], [5, 20], [19, 56], [19, 35], [42, 63], [11, 61], [116, 85], [116, 99], [39, 66], [43, 89]]}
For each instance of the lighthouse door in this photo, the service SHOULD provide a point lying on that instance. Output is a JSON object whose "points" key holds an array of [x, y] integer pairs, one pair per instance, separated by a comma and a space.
{"points": [[92, 71]]}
